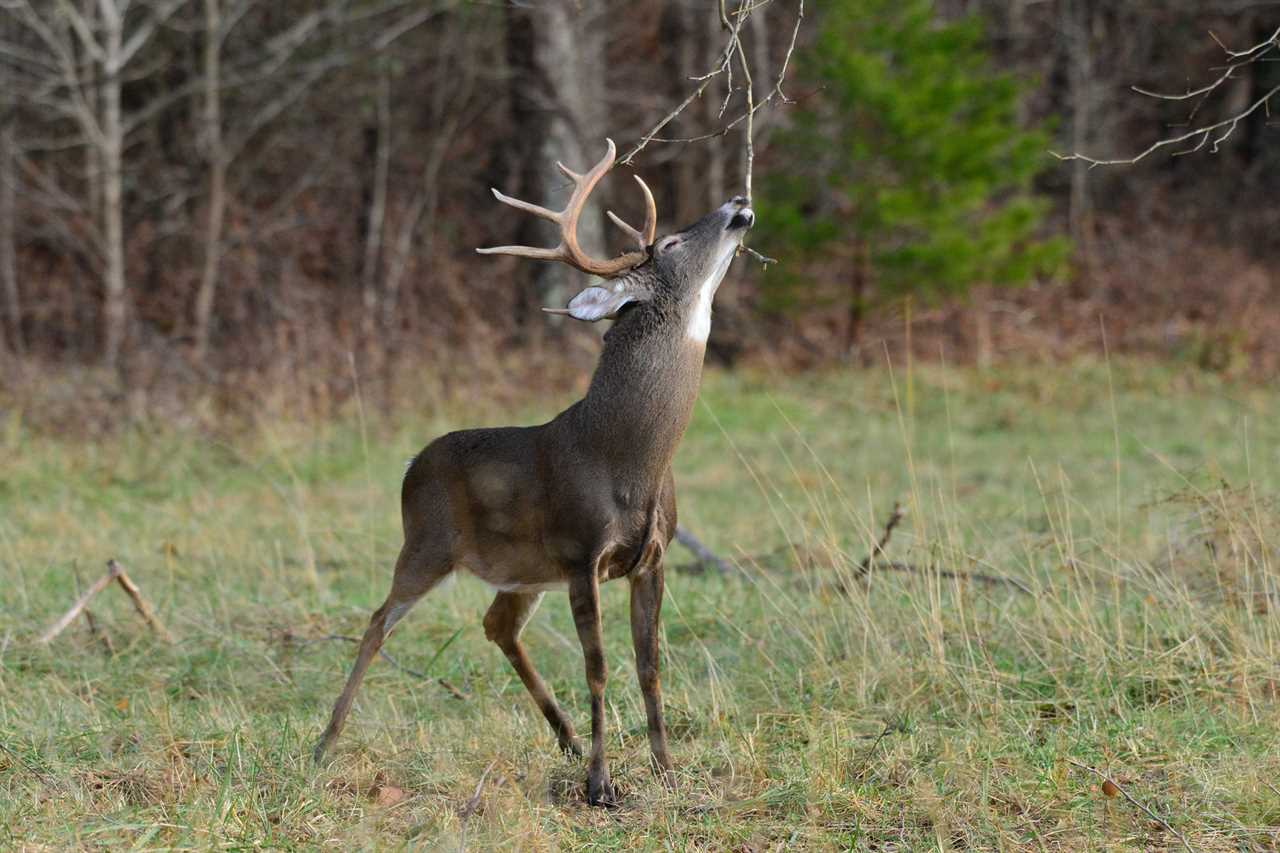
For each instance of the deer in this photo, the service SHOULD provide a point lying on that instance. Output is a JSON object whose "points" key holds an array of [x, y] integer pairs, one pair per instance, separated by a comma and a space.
{"points": [[587, 497]]}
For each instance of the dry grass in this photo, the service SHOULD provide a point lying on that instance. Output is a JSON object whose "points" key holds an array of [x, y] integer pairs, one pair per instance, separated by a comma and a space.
{"points": [[808, 707]]}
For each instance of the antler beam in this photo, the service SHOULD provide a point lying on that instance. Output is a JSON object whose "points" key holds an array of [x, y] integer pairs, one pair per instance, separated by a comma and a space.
{"points": [[570, 251]]}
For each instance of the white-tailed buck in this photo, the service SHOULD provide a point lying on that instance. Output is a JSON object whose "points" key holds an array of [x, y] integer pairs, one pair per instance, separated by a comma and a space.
{"points": [[587, 497]]}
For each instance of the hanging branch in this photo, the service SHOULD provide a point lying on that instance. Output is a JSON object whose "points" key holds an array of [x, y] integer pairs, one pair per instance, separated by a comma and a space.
{"points": [[733, 47], [1211, 135]]}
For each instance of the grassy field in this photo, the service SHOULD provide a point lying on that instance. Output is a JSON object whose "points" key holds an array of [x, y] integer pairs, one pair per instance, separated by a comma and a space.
{"points": [[808, 707]]}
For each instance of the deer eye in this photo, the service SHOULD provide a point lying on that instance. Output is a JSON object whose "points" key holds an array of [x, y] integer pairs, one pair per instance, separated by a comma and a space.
{"points": [[666, 244]]}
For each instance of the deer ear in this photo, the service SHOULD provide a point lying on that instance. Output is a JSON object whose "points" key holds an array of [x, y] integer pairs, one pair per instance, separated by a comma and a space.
{"points": [[597, 303]]}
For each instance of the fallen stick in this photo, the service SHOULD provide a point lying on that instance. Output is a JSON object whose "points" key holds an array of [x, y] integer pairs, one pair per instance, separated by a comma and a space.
{"points": [[115, 572], [1107, 780], [144, 610], [706, 557], [67, 618], [470, 806], [872, 561], [100, 636], [894, 518], [453, 691], [960, 576]]}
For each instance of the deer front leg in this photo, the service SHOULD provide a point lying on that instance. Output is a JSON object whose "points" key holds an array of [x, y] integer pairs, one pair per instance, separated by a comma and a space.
{"points": [[584, 600], [503, 623], [646, 605]]}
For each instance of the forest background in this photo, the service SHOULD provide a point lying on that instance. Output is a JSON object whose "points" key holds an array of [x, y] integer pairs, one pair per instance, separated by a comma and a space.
{"points": [[219, 206]]}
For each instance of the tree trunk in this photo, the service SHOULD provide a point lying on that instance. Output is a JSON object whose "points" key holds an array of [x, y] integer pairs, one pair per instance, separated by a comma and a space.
{"points": [[115, 309], [216, 154], [11, 328], [712, 101], [370, 263], [858, 283], [1080, 61], [689, 204], [569, 52]]}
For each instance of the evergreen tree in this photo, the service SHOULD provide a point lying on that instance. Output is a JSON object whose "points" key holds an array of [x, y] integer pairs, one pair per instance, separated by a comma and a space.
{"points": [[907, 165]]}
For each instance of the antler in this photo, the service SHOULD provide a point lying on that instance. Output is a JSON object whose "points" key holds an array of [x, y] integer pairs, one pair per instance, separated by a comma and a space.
{"points": [[569, 251]]}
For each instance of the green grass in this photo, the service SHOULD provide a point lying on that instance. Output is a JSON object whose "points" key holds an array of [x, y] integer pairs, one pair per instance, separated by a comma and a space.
{"points": [[807, 707]]}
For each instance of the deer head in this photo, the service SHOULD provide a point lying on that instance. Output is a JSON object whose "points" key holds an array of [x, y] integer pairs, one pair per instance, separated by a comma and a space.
{"points": [[680, 272]]}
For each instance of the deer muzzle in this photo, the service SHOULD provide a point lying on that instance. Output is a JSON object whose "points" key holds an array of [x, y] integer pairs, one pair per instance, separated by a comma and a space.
{"points": [[741, 216]]}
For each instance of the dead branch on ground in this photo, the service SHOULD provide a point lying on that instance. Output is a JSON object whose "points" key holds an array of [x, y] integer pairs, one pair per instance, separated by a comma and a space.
{"points": [[873, 561], [115, 572], [421, 676], [707, 559], [1107, 780]]}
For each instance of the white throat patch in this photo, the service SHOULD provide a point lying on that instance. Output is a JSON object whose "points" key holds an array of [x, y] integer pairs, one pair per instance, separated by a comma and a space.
{"points": [[699, 328]]}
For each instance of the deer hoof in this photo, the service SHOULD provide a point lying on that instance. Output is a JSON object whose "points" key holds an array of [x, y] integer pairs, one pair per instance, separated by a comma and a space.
{"points": [[600, 792]]}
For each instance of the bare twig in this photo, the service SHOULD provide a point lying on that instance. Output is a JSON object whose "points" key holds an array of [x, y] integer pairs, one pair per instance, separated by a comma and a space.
{"points": [[764, 260], [422, 676], [871, 750], [706, 557], [874, 560], [139, 603], [895, 518], [67, 618], [979, 577], [470, 806], [115, 572], [749, 154], [723, 66], [1211, 135], [100, 636], [1107, 779]]}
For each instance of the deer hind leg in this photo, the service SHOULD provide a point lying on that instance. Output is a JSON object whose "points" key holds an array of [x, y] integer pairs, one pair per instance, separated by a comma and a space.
{"points": [[584, 600], [413, 579], [504, 621], [646, 607]]}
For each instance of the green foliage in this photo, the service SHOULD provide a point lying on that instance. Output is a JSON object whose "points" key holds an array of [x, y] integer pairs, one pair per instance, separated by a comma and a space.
{"points": [[910, 145]]}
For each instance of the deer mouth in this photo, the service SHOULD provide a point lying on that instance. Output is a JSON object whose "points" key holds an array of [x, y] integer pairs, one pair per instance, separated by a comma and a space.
{"points": [[741, 220]]}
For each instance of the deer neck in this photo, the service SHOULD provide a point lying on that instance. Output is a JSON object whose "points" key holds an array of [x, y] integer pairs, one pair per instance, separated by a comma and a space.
{"points": [[643, 391]]}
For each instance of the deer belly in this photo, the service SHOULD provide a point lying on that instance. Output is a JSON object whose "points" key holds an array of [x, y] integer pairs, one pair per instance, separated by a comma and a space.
{"points": [[514, 570], [517, 586]]}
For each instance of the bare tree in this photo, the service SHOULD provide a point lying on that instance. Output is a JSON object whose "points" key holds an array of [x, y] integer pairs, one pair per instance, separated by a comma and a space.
{"points": [[370, 265], [557, 55], [11, 327], [216, 157], [87, 53], [269, 75]]}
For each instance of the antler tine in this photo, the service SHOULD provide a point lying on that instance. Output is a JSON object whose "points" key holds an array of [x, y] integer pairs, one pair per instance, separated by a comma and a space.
{"points": [[534, 252], [526, 206], [568, 173], [645, 238], [650, 212], [569, 251]]}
